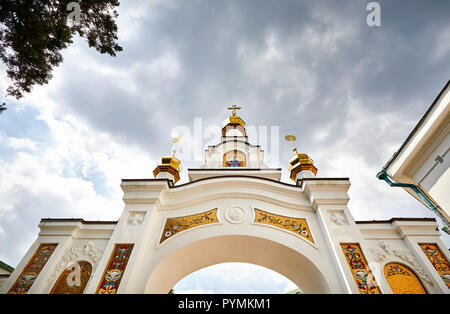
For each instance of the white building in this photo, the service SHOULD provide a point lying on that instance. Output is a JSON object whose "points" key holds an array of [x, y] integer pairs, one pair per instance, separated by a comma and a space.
{"points": [[422, 164], [234, 209]]}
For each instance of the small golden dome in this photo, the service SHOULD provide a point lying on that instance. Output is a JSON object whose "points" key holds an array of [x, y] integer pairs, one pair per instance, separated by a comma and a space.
{"points": [[234, 122], [301, 162], [169, 164]]}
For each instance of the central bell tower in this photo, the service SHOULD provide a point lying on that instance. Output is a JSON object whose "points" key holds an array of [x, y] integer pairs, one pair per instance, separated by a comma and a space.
{"points": [[234, 155]]}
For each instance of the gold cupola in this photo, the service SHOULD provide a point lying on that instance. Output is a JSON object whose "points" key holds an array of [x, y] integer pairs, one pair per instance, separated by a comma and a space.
{"points": [[301, 165], [169, 166], [234, 122]]}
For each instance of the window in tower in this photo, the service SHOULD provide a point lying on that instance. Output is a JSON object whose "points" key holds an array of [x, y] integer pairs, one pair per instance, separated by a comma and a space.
{"points": [[234, 158]]}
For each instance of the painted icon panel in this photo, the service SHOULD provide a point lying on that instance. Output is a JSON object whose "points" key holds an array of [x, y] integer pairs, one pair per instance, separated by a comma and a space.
{"points": [[360, 269], [33, 268], [438, 259], [115, 269]]}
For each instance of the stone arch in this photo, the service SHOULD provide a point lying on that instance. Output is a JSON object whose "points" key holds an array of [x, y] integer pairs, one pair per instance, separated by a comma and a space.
{"points": [[403, 279], [236, 248], [79, 272]]}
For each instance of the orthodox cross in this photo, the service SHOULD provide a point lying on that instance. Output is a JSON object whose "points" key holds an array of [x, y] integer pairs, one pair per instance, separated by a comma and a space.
{"points": [[234, 108]]}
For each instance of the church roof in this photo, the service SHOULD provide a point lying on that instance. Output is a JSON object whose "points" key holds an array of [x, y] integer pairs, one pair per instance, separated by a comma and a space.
{"points": [[6, 267]]}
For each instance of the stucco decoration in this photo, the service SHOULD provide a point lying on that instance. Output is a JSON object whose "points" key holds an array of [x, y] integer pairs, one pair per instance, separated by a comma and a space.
{"points": [[439, 261], [178, 224], [360, 269], [386, 253], [298, 226], [235, 215], [338, 218], [33, 268], [402, 279], [87, 252], [136, 218]]}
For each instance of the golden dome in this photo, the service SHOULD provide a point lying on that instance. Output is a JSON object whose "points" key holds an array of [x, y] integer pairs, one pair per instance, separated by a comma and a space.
{"points": [[169, 164], [301, 162], [234, 122]]}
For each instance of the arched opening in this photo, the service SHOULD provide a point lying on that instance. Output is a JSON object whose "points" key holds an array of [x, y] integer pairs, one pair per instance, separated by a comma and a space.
{"points": [[235, 278], [236, 248]]}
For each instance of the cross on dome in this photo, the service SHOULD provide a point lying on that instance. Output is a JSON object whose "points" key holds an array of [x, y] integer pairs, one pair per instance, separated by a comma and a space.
{"points": [[234, 108]]}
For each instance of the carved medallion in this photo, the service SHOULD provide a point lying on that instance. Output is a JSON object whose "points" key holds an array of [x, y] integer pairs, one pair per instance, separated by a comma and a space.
{"points": [[235, 215]]}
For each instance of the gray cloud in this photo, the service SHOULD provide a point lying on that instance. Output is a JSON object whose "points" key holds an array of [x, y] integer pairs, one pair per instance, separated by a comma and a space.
{"points": [[351, 93]]}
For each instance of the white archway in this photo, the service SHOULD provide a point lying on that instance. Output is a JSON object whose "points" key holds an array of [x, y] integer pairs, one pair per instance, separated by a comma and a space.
{"points": [[236, 248]]}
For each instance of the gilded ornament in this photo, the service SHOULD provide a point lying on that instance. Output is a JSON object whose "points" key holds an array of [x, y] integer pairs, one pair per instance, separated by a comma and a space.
{"points": [[360, 270], [115, 269], [178, 224], [438, 260], [299, 226], [402, 280]]}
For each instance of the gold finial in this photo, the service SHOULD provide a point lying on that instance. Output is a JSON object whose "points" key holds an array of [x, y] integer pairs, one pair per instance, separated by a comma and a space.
{"points": [[234, 108], [176, 140], [291, 138], [299, 162]]}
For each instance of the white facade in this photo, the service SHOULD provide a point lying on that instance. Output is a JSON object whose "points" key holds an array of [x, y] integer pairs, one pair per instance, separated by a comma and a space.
{"points": [[424, 159], [159, 259]]}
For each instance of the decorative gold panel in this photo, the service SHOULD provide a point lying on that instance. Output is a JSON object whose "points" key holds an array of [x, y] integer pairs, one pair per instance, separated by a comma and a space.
{"points": [[439, 261], [298, 226], [32, 270], [115, 269], [402, 279], [178, 224], [360, 269], [73, 279]]}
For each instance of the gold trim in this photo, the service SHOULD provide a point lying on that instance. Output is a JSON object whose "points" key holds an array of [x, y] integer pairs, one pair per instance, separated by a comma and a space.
{"points": [[299, 168], [299, 226], [176, 225], [161, 168]]}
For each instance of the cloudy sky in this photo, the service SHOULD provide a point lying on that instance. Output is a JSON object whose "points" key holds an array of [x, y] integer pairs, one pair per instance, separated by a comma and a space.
{"points": [[349, 92]]}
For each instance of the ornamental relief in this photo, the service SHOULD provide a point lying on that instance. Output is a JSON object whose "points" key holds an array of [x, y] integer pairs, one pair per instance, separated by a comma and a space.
{"points": [[386, 253], [298, 226], [176, 225], [87, 252]]}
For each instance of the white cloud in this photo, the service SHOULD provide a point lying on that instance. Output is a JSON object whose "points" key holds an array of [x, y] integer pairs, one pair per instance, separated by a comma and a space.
{"points": [[234, 278]]}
